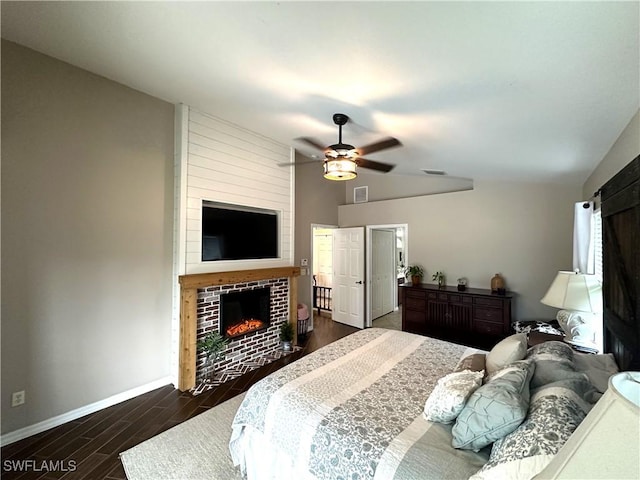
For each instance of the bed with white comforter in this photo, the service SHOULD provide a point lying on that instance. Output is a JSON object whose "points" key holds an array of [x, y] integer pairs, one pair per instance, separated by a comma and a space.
{"points": [[353, 410]]}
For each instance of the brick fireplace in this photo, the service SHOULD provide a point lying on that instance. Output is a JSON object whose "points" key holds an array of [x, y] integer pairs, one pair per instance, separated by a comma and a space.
{"points": [[247, 347], [200, 313]]}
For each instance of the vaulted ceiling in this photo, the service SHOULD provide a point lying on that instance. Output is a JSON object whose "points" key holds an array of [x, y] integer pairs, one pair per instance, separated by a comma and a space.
{"points": [[534, 91]]}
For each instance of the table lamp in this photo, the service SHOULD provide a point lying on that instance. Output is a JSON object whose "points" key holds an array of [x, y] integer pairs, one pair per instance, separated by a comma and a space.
{"points": [[579, 296]]}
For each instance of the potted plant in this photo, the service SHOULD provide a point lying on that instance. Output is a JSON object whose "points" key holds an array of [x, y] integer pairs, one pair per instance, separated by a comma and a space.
{"points": [[415, 272], [439, 277], [286, 335], [213, 344]]}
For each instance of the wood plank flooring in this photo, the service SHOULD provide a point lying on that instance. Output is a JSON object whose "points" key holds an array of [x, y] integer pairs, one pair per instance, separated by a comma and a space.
{"points": [[88, 448]]}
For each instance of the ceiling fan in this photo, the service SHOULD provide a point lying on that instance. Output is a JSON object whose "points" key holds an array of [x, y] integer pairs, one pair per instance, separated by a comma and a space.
{"points": [[341, 159]]}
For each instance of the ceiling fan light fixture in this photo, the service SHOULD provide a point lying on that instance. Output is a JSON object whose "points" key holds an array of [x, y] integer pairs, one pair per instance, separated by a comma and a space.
{"points": [[342, 151], [341, 169]]}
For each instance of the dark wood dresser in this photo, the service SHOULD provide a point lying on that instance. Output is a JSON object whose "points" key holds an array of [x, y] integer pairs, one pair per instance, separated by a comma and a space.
{"points": [[474, 316]]}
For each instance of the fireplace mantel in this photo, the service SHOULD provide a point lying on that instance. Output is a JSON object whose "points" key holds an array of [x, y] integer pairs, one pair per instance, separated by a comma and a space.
{"points": [[189, 285]]}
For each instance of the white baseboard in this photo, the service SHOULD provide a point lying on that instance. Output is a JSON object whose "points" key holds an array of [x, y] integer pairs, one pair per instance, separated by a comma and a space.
{"points": [[58, 420]]}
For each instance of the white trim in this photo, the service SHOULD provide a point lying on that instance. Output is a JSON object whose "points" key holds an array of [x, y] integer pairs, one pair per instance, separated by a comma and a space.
{"points": [[179, 229], [58, 420]]}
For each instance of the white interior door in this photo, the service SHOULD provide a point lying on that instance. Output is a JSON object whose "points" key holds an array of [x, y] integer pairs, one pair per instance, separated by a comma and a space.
{"points": [[348, 276], [383, 272]]}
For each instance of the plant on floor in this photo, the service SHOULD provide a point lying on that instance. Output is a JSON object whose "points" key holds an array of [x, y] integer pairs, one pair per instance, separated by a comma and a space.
{"points": [[286, 335], [213, 345]]}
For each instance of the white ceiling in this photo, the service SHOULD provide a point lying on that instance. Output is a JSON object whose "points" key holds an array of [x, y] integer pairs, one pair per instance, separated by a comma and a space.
{"points": [[534, 91]]}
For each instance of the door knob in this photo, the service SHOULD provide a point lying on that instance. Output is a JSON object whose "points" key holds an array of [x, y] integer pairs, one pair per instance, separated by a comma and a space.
{"points": [[360, 282]]}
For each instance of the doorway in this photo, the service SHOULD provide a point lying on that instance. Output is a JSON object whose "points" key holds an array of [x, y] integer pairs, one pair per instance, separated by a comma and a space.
{"points": [[321, 270], [386, 253], [387, 244]]}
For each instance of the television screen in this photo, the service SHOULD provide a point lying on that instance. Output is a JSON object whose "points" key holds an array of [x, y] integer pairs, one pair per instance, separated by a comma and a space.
{"points": [[233, 232]]}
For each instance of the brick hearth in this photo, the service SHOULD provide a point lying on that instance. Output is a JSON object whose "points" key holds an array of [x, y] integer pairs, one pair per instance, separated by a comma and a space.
{"points": [[199, 310]]}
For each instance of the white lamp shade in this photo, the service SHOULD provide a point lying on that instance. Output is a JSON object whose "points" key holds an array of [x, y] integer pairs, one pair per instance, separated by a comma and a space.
{"points": [[576, 292]]}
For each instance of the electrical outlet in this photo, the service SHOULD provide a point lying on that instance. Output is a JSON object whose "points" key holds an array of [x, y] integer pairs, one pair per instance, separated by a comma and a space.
{"points": [[304, 262], [17, 398]]}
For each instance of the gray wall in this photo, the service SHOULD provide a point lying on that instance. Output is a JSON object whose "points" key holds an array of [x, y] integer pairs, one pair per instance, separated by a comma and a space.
{"points": [[624, 149], [87, 197], [317, 201], [389, 186], [523, 231]]}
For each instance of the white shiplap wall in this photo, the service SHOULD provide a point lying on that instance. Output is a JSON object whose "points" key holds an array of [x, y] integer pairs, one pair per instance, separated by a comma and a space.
{"points": [[226, 163], [222, 162]]}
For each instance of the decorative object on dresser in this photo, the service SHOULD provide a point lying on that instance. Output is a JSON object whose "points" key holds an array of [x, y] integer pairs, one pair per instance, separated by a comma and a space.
{"points": [[579, 296], [497, 284], [462, 284], [415, 274], [476, 316], [439, 277]]}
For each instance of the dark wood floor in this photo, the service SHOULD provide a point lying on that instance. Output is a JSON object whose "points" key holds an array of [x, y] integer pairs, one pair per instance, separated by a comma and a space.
{"points": [[88, 448]]}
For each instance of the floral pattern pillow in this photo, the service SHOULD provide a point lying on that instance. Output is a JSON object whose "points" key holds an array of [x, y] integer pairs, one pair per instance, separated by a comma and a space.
{"points": [[554, 413], [450, 394]]}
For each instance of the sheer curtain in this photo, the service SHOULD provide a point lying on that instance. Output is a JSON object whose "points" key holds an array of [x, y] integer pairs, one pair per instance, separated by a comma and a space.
{"points": [[587, 250], [583, 248]]}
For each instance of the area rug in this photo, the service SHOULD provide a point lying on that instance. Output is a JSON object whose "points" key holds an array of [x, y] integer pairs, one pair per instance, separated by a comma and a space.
{"points": [[229, 374], [196, 449]]}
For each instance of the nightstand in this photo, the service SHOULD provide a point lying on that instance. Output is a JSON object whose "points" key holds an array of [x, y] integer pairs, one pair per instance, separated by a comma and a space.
{"points": [[535, 338], [538, 337]]}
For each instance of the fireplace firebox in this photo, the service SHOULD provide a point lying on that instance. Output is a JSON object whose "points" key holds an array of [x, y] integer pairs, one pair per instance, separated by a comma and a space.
{"points": [[245, 312]]}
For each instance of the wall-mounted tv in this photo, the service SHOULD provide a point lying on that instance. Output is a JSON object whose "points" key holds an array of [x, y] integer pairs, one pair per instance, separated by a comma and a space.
{"points": [[234, 232]]}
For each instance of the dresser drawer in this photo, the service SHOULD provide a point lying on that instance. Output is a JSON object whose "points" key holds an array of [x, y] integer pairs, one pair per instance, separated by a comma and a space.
{"points": [[488, 302], [413, 303], [415, 294], [488, 314], [487, 328], [414, 317]]}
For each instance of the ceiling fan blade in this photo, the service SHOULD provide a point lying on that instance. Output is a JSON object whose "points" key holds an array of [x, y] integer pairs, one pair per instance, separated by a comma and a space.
{"points": [[312, 142], [381, 145], [373, 165]]}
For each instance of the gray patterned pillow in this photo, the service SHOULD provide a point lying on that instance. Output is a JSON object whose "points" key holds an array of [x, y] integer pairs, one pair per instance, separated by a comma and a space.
{"points": [[555, 412], [495, 409], [554, 362], [475, 362], [450, 394]]}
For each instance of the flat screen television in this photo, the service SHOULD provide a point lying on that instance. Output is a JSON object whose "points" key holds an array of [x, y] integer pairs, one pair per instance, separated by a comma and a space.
{"points": [[234, 232]]}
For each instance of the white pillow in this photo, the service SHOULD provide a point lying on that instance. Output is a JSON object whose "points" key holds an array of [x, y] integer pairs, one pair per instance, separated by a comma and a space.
{"points": [[450, 394], [509, 350]]}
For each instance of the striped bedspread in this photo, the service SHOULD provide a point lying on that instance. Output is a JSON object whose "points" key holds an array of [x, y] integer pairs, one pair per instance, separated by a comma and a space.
{"points": [[352, 410]]}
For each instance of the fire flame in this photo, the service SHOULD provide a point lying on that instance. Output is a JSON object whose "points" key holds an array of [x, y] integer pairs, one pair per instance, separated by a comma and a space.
{"points": [[244, 327]]}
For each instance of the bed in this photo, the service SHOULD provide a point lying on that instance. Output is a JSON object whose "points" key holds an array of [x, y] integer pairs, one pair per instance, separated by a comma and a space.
{"points": [[358, 408]]}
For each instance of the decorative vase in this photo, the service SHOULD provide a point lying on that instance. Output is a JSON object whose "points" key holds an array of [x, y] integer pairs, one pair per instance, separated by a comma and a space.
{"points": [[497, 283], [440, 281], [286, 346], [416, 280]]}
